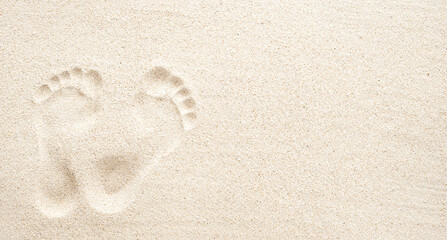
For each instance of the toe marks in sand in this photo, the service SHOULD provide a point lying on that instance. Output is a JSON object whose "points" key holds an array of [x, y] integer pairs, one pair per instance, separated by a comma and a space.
{"points": [[162, 84], [87, 83]]}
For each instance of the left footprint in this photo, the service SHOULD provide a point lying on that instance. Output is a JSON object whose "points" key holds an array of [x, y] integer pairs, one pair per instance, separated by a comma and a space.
{"points": [[66, 106]]}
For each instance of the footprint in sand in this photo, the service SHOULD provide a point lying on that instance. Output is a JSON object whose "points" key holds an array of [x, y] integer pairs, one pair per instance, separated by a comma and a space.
{"points": [[95, 146]]}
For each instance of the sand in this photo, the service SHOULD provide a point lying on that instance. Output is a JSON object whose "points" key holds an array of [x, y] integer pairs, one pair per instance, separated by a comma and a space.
{"points": [[223, 119]]}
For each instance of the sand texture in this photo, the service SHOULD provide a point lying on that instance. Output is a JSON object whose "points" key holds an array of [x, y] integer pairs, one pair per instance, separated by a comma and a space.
{"points": [[223, 119]]}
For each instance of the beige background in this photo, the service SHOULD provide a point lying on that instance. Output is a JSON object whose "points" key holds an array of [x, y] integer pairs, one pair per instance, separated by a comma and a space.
{"points": [[316, 120]]}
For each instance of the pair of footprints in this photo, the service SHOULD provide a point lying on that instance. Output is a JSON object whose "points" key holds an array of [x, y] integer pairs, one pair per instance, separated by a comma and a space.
{"points": [[93, 145]]}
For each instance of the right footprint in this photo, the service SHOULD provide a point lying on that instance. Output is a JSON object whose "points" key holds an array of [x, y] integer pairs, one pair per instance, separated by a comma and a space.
{"points": [[160, 113]]}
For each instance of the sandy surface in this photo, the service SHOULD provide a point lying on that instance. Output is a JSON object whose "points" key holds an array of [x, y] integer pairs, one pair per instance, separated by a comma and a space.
{"points": [[319, 120]]}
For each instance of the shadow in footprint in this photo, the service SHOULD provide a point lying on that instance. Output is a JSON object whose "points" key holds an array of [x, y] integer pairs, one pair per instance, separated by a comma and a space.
{"points": [[117, 171]]}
